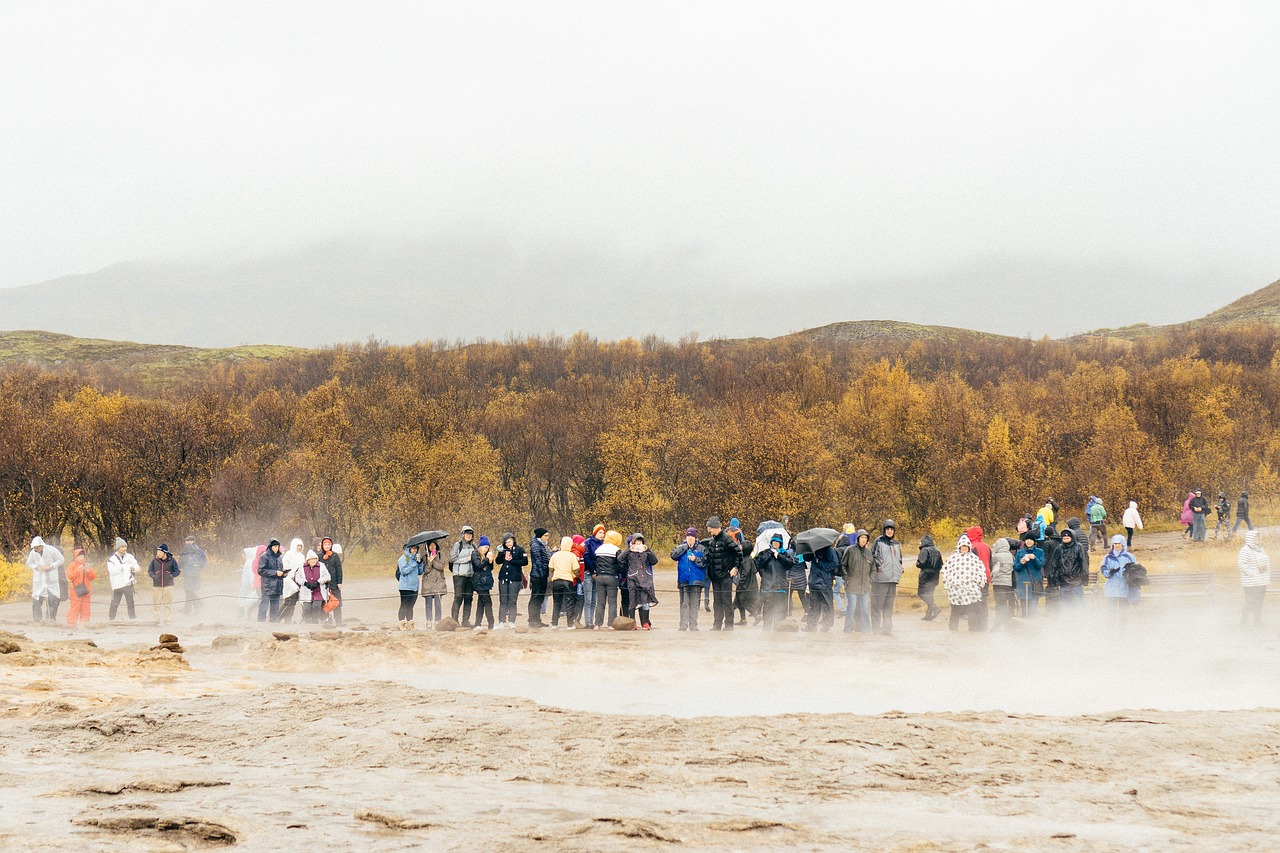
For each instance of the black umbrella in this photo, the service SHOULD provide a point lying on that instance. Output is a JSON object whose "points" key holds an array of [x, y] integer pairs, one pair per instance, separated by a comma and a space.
{"points": [[426, 536], [814, 539]]}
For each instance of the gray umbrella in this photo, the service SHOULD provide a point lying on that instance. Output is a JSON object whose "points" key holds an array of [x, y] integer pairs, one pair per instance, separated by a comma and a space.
{"points": [[815, 538], [426, 536]]}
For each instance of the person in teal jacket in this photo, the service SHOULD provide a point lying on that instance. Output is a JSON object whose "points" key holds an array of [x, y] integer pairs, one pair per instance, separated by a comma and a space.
{"points": [[1028, 574], [409, 574]]}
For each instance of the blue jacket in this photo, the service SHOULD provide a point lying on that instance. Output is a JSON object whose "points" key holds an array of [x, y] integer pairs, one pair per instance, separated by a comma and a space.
{"points": [[824, 565], [691, 567], [1113, 566], [409, 571], [539, 559], [1030, 572], [589, 555]]}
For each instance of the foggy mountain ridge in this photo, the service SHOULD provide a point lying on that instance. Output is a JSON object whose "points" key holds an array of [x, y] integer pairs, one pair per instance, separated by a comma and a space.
{"points": [[463, 289]]}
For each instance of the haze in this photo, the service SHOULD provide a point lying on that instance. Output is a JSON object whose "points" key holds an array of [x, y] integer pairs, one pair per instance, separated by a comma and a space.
{"points": [[930, 162]]}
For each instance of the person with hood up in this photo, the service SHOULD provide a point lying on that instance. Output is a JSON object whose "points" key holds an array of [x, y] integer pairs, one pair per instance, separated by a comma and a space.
{"points": [[162, 571], [409, 578], [1223, 509], [929, 562], [1187, 518], [1002, 581], [1242, 511], [192, 560], [886, 571], [47, 565], [638, 562], [964, 576], [1132, 521], [462, 560], [580, 551], [798, 585], [1113, 567], [314, 580], [855, 568], [1255, 577], [539, 574], [983, 550], [79, 576], [511, 560], [563, 568], [1028, 574], [773, 564], [723, 555], [1068, 571], [1097, 515], [271, 570], [746, 597], [824, 566], [691, 577], [122, 573], [1046, 517], [482, 582], [291, 591], [434, 584], [1199, 516], [610, 575], [332, 559]]}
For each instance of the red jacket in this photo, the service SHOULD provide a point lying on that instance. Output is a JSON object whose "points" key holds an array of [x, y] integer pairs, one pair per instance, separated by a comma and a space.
{"points": [[982, 549]]}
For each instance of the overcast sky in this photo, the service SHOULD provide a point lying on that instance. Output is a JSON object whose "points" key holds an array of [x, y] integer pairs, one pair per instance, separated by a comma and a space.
{"points": [[794, 144]]}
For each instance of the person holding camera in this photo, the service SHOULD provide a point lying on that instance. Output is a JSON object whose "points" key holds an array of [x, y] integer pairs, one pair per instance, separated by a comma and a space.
{"points": [[691, 576], [723, 554], [511, 560]]}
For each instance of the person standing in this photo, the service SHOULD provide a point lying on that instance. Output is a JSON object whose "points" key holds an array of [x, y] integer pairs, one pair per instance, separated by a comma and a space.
{"points": [[162, 571], [122, 572], [746, 596], [511, 560], [193, 560], [1028, 574], [929, 562], [315, 588], [271, 570], [983, 551], [1242, 511], [482, 582], [610, 577], [1199, 517], [588, 584], [723, 554], [1002, 581], [434, 584], [691, 577], [821, 578], [1097, 515], [462, 564], [855, 567], [1255, 577], [638, 562], [539, 573], [563, 568], [332, 559], [964, 576], [1187, 518], [47, 566], [1113, 567], [291, 591], [1068, 571], [79, 576], [1133, 521], [886, 571], [1223, 509], [409, 580]]}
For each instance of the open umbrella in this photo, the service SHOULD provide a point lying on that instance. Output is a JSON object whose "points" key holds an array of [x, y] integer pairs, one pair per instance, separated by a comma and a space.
{"points": [[426, 536], [815, 538]]}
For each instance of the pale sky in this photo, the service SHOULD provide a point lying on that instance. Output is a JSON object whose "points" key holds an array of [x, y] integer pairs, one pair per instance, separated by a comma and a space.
{"points": [[795, 145]]}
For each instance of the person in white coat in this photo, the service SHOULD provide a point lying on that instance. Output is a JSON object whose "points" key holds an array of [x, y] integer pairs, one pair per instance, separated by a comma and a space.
{"points": [[1255, 576], [1131, 521], [46, 564], [292, 561], [122, 571]]}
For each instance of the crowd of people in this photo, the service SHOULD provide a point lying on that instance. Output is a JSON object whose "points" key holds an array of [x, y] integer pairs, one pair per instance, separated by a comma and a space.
{"points": [[591, 581]]}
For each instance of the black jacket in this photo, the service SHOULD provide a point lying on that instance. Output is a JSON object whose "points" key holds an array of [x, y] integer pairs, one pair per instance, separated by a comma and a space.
{"points": [[1199, 506], [268, 564], [1068, 566], [540, 559], [333, 563], [513, 569], [723, 555], [929, 561], [773, 569]]}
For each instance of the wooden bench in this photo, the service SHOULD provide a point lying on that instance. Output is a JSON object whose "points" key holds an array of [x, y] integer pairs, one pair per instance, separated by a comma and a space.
{"points": [[1179, 585]]}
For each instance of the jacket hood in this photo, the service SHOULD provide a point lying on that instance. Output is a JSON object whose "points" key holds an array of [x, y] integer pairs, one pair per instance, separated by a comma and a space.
{"points": [[614, 538], [857, 539], [963, 541], [1073, 523], [77, 556], [974, 533], [295, 544], [888, 522], [1133, 504], [566, 543], [37, 542], [1253, 539], [1118, 539], [1000, 546], [508, 537], [926, 541]]}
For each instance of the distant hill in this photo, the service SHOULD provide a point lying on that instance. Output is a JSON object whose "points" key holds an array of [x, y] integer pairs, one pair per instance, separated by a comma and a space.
{"points": [[1261, 306], [886, 332]]}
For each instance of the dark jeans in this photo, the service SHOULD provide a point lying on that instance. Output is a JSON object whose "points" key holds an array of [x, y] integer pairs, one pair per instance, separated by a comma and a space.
{"points": [[312, 611], [883, 598], [821, 610], [690, 600], [1253, 598], [745, 601], [484, 607], [271, 603], [286, 608], [191, 590], [1241, 519], [625, 593], [926, 593], [606, 600], [508, 595], [722, 604], [537, 595], [462, 598], [1197, 527], [563, 597], [968, 612], [125, 592], [1129, 532], [408, 598], [433, 605], [1006, 606], [336, 613], [775, 607], [799, 587], [46, 601]]}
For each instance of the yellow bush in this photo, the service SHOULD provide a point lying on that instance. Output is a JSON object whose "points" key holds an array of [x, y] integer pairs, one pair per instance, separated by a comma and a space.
{"points": [[15, 580]]}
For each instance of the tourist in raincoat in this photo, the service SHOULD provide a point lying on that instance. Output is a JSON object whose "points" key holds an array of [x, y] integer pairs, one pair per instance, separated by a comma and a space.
{"points": [[291, 590], [434, 584], [855, 568], [46, 564], [964, 575], [1117, 591], [79, 576], [271, 570], [691, 578], [122, 573], [409, 579], [163, 571], [1132, 521], [1028, 574], [638, 562], [1255, 576]]}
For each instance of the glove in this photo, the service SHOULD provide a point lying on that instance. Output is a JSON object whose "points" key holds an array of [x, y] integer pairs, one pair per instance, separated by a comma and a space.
{"points": [[313, 585]]}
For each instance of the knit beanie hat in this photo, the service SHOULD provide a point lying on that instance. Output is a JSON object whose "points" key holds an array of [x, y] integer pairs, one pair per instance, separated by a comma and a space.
{"points": [[120, 543], [734, 524], [484, 541], [539, 532], [714, 521], [692, 531]]}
